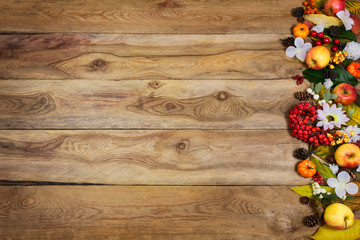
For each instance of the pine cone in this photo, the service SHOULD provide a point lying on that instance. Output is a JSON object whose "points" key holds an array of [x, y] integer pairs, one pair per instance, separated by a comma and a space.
{"points": [[310, 221], [287, 42], [334, 30], [304, 200], [330, 74], [302, 153], [330, 159], [298, 12], [302, 96]]}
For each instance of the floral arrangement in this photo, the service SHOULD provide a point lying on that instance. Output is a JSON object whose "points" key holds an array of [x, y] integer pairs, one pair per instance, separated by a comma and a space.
{"points": [[328, 116]]}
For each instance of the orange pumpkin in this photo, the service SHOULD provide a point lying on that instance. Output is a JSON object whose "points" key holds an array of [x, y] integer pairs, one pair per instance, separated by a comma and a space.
{"points": [[306, 168], [354, 69], [301, 30]]}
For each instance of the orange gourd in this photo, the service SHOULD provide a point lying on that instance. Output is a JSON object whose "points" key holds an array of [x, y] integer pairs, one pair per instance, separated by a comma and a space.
{"points": [[301, 30], [354, 69], [306, 168]]}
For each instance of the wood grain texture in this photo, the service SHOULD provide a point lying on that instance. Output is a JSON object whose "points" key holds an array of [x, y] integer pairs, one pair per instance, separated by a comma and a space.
{"points": [[206, 213], [106, 56], [144, 16], [83, 104], [173, 157]]}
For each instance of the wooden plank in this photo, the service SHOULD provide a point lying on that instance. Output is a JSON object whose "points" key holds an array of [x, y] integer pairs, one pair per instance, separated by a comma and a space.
{"points": [[93, 212], [106, 56], [84, 104], [173, 157], [144, 16]]}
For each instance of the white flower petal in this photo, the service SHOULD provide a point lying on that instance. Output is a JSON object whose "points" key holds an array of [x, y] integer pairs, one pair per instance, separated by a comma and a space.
{"points": [[351, 188], [299, 42], [340, 192], [301, 55], [340, 14], [291, 51], [343, 177], [334, 168], [332, 182], [358, 169], [307, 47]]}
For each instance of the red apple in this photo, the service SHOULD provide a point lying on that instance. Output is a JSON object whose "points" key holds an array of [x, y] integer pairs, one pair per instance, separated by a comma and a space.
{"points": [[356, 27], [339, 216], [346, 93], [318, 57], [331, 7], [347, 155]]}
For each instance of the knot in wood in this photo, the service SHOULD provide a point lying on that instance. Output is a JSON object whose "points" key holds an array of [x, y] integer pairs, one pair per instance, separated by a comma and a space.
{"points": [[98, 64], [181, 145], [222, 95], [155, 84]]}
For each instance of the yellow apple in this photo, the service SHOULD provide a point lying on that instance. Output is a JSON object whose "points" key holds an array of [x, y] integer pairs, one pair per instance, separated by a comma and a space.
{"points": [[348, 155], [318, 57], [339, 216]]}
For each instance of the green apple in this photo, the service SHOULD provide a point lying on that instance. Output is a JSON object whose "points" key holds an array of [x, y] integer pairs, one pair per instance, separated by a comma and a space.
{"points": [[339, 216]]}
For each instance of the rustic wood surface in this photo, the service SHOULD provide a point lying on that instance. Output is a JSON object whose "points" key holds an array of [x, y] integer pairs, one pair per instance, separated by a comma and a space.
{"points": [[108, 212], [186, 98]]}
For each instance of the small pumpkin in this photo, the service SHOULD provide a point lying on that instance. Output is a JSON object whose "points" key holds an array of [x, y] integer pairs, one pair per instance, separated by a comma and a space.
{"points": [[354, 69], [301, 30], [306, 168]]}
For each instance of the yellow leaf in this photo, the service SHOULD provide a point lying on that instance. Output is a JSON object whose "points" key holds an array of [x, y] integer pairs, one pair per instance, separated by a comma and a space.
{"points": [[328, 21], [306, 190], [355, 119], [327, 233]]}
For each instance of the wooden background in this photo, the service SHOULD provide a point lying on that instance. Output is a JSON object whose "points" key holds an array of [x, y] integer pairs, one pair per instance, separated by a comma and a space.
{"points": [[148, 119]]}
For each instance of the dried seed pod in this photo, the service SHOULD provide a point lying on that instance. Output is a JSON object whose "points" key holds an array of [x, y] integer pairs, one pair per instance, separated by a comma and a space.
{"points": [[304, 200]]}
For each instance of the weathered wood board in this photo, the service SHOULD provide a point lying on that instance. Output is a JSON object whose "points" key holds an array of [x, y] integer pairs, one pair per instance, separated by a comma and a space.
{"points": [[151, 104], [108, 212], [172, 157], [159, 16]]}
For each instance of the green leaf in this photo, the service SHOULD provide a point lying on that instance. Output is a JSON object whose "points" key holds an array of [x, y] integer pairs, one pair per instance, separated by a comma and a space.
{"points": [[323, 169], [318, 87], [327, 95], [327, 233], [323, 151], [343, 34], [353, 7], [319, 3], [339, 105], [334, 96], [344, 76], [312, 85], [348, 198], [351, 112], [315, 76]]}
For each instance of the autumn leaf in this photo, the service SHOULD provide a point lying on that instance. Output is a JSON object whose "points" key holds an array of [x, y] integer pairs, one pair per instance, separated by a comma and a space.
{"points": [[353, 7], [355, 118], [323, 169], [327, 233], [353, 204], [306, 191], [323, 151]]}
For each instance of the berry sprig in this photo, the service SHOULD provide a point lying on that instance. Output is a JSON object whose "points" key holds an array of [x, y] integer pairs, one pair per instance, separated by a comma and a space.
{"points": [[302, 122], [299, 79], [318, 178], [310, 7]]}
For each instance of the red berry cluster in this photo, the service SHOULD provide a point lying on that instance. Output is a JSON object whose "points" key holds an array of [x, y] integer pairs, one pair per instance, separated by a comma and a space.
{"points": [[302, 119], [325, 40], [299, 79], [318, 178]]}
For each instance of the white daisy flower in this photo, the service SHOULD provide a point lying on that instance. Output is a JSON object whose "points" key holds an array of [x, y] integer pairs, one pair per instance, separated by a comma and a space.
{"points": [[353, 50], [299, 50], [342, 184], [328, 83], [318, 28], [330, 117], [356, 129], [345, 18]]}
